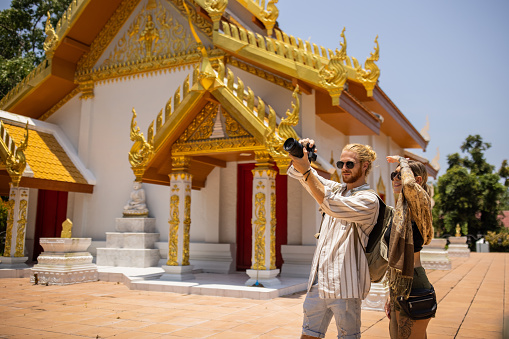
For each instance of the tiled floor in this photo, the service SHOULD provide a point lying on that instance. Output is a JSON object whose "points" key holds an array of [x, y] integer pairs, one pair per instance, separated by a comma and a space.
{"points": [[473, 303]]}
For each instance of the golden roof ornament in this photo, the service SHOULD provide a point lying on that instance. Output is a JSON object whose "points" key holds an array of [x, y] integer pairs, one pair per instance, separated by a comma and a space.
{"points": [[51, 41], [292, 119], [333, 75], [269, 16], [141, 151], [15, 159], [369, 76], [215, 9]]}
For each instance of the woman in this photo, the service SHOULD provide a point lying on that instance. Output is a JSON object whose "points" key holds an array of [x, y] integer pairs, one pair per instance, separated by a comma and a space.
{"points": [[410, 230]]}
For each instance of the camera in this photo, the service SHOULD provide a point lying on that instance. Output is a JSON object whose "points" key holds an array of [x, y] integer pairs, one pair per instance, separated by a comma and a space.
{"points": [[296, 149]]}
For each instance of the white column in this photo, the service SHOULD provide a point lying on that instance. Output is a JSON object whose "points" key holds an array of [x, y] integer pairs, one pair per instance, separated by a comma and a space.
{"points": [[177, 267], [16, 228], [263, 270]]}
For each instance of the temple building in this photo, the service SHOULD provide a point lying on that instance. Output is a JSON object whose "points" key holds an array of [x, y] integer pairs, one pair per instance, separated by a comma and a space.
{"points": [[173, 114]]}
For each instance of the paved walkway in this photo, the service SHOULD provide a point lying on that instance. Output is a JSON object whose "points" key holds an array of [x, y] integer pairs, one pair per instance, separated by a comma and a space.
{"points": [[473, 303]]}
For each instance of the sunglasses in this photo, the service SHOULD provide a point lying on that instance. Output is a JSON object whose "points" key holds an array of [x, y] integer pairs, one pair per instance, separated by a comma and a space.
{"points": [[395, 175], [349, 164]]}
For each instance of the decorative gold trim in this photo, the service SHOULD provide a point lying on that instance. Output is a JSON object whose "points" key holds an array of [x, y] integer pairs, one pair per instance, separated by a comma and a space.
{"points": [[232, 127], [173, 231], [85, 86], [153, 33], [180, 164], [20, 231], [10, 224], [242, 144], [187, 228], [109, 31], [148, 66], [204, 25], [273, 226], [259, 224]]}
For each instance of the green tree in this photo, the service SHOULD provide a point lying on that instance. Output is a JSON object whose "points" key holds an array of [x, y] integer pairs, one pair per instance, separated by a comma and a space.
{"points": [[22, 36], [469, 193]]}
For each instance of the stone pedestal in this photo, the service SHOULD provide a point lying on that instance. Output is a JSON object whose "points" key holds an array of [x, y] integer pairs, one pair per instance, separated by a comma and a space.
{"points": [[458, 247], [177, 273], [434, 256], [265, 277], [377, 296], [297, 260], [132, 245], [64, 261], [13, 262]]}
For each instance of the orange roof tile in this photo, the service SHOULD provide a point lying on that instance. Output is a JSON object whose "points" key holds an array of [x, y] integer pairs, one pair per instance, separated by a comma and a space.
{"points": [[45, 156]]}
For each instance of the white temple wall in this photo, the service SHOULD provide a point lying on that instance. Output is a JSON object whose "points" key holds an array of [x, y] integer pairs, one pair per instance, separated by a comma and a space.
{"points": [[205, 210], [68, 119], [108, 147]]}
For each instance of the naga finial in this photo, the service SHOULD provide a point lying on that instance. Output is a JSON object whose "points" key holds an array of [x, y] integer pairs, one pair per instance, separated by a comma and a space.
{"points": [[50, 43], [369, 76], [141, 151], [334, 74], [292, 119], [16, 160]]}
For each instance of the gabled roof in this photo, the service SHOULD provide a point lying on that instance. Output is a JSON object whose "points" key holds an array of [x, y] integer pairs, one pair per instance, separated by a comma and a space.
{"points": [[356, 105], [214, 120], [49, 164]]}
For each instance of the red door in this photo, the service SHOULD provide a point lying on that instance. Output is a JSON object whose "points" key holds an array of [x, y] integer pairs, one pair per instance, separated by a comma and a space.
{"points": [[244, 213], [51, 213]]}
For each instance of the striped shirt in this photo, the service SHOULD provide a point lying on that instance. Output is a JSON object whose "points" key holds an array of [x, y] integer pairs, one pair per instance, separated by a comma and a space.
{"points": [[340, 272]]}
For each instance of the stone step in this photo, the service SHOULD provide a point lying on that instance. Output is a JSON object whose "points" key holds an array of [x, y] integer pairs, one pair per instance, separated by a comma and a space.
{"points": [[131, 240], [147, 225], [127, 257]]}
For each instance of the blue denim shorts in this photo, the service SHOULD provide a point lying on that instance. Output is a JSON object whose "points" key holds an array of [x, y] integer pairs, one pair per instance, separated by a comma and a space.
{"points": [[318, 314]]}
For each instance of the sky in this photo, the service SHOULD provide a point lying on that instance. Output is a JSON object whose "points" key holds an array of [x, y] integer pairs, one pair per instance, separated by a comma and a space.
{"points": [[444, 60], [441, 59]]}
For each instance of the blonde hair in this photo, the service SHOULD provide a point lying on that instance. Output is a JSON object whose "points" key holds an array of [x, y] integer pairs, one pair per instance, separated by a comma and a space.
{"points": [[419, 170], [364, 152]]}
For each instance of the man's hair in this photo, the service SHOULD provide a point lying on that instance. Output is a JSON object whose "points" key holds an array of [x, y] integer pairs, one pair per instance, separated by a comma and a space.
{"points": [[419, 170], [364, 152]]}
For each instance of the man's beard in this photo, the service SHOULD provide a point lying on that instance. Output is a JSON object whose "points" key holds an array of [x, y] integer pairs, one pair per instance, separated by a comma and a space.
{"points": [[354, 176]]}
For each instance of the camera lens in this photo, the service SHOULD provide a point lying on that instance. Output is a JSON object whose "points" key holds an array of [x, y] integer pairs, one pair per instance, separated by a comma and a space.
{"points": [[293, 147]]}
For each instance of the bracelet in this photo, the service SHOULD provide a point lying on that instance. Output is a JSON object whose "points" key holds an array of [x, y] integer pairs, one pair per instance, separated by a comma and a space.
{"points": [[308, 172]]}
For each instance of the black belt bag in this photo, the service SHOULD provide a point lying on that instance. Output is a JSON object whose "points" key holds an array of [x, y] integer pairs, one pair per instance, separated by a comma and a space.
{"points": [[421, 304]]}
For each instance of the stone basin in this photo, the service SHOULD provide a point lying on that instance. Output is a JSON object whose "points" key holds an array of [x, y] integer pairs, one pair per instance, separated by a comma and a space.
{"points": [[65, 245]]}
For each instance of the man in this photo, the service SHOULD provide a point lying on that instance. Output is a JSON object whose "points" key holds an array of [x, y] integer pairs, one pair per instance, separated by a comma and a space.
{"points": [[339, 278]]}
